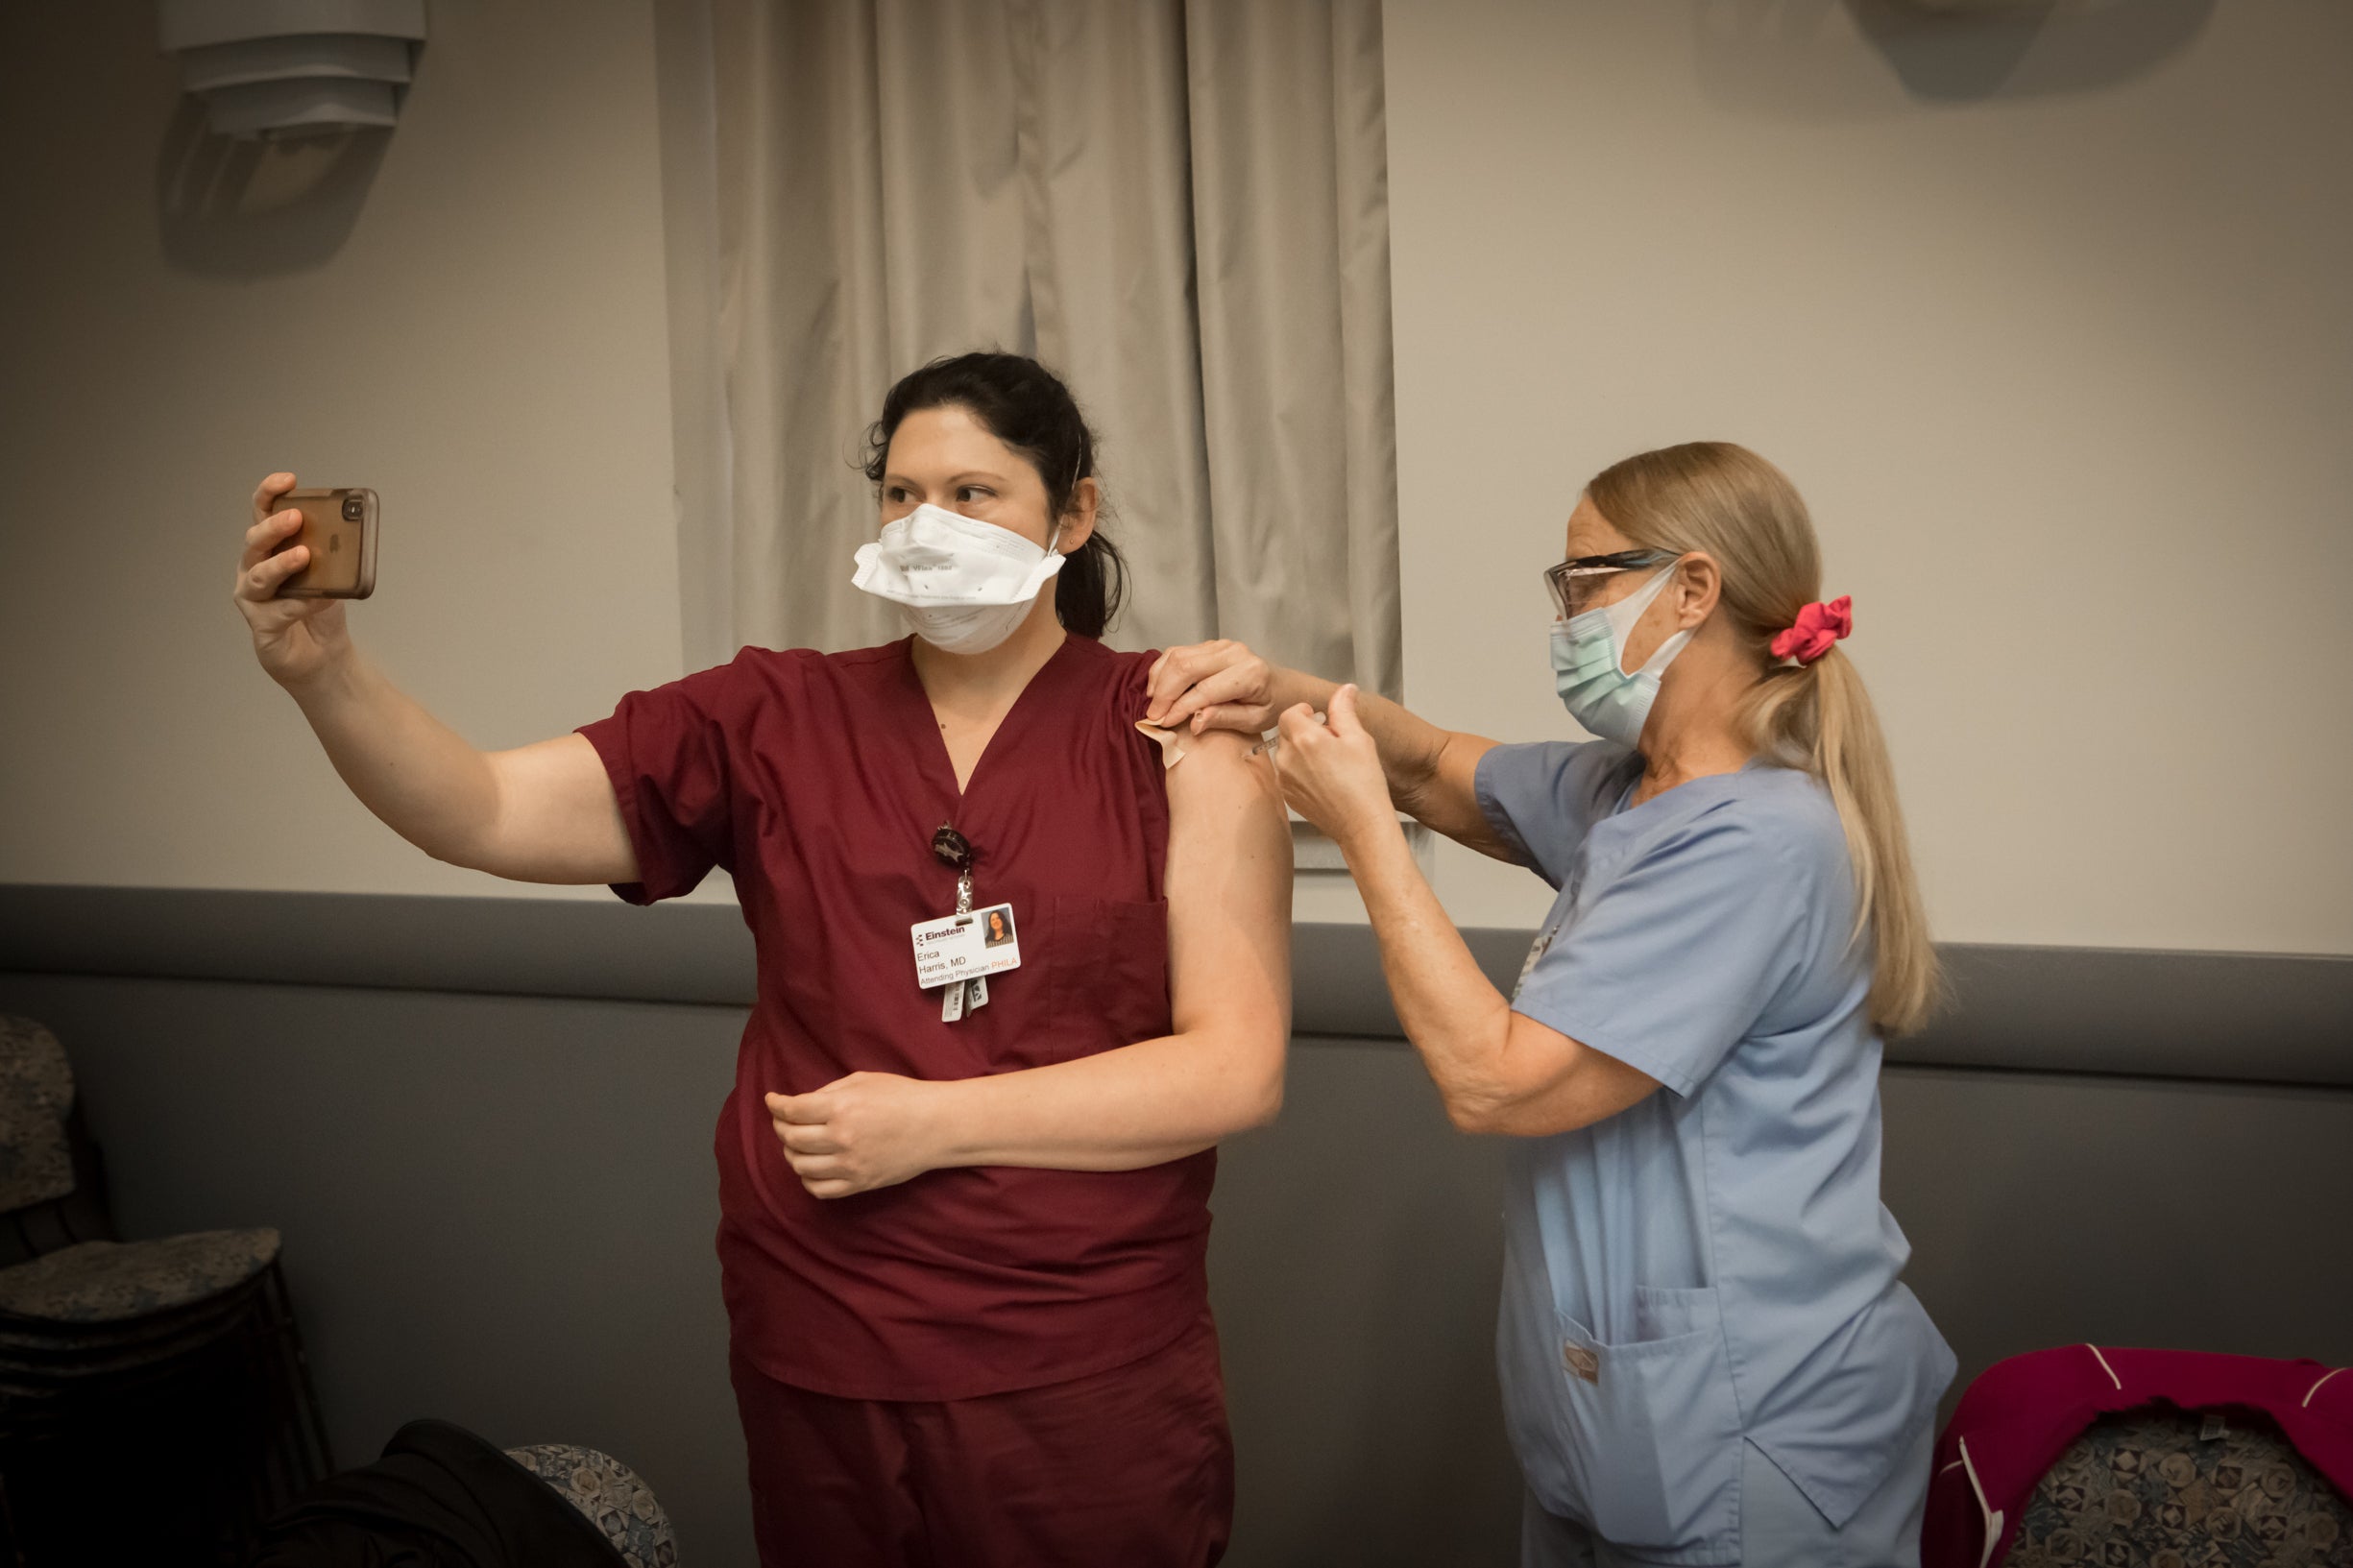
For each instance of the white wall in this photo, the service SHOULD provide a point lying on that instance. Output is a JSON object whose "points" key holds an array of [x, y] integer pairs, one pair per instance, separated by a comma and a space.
{"points": [[475, 327], [2050, 317], [2043, 313]]}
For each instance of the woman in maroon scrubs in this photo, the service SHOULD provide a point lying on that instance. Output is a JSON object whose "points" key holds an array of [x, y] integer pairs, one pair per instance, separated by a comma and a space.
{"points": [[962, 1228]]}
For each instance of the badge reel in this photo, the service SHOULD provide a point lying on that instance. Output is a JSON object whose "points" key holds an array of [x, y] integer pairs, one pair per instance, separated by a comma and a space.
{"points": [[959, 951]]}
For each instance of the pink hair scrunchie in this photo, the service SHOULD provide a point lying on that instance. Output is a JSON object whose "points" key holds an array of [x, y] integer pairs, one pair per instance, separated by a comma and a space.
{"points": [[1818, 626]]}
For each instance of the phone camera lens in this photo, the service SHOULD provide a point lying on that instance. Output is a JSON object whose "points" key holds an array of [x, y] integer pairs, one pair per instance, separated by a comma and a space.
{"points": [[352, 509]]}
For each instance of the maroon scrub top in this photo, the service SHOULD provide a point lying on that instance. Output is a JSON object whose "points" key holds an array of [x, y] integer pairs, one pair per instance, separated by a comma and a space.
{"points": [[817, 782]]}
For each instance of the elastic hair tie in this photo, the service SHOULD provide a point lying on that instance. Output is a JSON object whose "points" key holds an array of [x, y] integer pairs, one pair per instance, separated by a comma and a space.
{"points": [[1818, 626]]}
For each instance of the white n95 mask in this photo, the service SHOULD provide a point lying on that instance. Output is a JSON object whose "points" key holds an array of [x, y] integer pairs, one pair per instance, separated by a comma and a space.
{"points": [[1589, 669], [960, 584]]}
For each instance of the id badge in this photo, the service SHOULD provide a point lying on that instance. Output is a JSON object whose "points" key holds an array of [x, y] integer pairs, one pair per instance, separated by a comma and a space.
{"points": [[965, 947]]}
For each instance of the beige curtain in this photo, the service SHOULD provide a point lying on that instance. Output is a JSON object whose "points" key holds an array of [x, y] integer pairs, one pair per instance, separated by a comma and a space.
{"points": [[1180, 205]]}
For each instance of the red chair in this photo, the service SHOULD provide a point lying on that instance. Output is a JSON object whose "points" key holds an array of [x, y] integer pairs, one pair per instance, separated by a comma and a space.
{"points": [[2092, 1455]]}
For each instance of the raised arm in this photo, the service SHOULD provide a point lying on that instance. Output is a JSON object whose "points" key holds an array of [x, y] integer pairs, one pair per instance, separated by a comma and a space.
{"points": [[1497, 1069], [540, 813], [1431, 772], [1221, 1072]]}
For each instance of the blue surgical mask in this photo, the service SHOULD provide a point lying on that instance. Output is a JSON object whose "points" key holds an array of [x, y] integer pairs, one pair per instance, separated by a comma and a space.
{"points": [[1589, 665]]}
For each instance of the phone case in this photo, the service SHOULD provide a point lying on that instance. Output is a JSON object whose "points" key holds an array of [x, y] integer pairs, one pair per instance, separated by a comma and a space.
{"points": [[342, 540]]}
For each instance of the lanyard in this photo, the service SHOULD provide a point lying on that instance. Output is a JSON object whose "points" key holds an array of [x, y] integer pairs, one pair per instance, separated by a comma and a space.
{"points": [[954, 850]]}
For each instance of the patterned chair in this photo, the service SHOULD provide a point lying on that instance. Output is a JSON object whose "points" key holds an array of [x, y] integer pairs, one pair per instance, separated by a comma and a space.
{"points": [[610, 1495], [120, 1356], [2161, 1488]]}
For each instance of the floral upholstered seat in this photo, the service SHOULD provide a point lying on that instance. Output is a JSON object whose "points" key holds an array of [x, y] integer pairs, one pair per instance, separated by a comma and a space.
{"points": [[111, 1350], [114, 1282], [612, 1497], [2161, 1488], [36, 1094]]}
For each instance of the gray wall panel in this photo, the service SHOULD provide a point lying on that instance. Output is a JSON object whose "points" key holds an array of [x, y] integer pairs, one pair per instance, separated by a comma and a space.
{"points": [[694, 953], [1353, 1267], [2047, 1210], [499, 1209], [2246, 1017], [2250, 1017]]}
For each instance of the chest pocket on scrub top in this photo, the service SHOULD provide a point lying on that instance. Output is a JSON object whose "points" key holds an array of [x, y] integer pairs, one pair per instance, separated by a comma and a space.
{"points": [[1106, 977]]}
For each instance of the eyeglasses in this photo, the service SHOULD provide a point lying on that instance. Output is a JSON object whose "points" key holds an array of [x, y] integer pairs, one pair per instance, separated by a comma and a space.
{"points": [[1576, 583]]}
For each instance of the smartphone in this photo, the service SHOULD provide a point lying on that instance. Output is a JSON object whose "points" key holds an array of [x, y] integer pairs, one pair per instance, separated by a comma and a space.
{"points": [[339, 526]]}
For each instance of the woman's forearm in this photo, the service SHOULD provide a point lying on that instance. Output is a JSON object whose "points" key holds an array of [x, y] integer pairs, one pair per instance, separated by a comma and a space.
{"points": [[1453, 1015], [1409, 745], [1138, 1105], [1498, 1072], [420, 777], [1220, 1069], [1228, 889], [1429, 771]]}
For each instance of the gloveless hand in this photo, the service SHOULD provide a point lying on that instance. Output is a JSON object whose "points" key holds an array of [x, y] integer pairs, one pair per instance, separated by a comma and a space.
{"points": [[1213, 685], [294, 638], [857, 1133], [1331, 772]]}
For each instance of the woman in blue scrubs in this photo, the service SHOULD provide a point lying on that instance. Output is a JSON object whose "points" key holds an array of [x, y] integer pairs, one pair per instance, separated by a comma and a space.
{"points": [[1706, 1354]]}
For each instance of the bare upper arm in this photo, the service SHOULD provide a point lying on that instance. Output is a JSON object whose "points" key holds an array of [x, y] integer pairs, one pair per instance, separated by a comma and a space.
{"points": [[557, 819], [1229, 883]]}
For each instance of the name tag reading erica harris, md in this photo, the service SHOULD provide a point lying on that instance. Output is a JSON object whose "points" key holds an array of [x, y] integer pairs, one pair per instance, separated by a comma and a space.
{"points": [[964, 947]]}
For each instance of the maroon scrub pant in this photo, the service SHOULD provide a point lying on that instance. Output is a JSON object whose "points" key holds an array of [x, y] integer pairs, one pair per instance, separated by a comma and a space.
{"points": [[1132, 1467]]}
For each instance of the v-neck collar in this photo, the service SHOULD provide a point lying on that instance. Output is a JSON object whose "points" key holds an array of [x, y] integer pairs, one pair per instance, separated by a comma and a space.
{"points": [[1623, 797], [931, 751]]}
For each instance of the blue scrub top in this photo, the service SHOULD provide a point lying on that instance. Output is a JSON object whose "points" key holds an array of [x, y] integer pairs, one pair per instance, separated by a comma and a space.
{"points": [[1713, 1264]]}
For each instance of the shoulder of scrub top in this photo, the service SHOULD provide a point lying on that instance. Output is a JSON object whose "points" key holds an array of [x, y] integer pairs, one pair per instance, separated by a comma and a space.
{"points": [[1787, 808], [1542, 797], [755, 669], [1734, 887], [1126, 695], [1797, 805], [1793, 808], [1786, 816], [721, 708]]}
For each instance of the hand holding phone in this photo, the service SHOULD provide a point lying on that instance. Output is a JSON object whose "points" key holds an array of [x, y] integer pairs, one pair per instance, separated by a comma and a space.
{"points": [[303, 538], [338, 530]]}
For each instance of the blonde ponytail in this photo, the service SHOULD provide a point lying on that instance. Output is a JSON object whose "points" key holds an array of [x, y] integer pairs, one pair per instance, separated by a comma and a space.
{"points": [[1819, 717], [1727, 501]]}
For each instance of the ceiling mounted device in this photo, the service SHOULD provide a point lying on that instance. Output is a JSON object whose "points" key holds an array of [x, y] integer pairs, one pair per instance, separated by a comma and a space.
{"points": [[277, 69]]}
